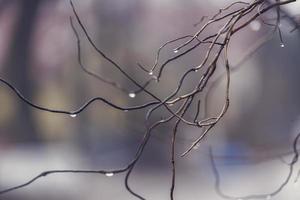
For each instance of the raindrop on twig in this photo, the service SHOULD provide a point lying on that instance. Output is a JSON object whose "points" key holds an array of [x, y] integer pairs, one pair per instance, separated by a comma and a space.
{"points": [[131, 94], [73, 115], [109, 174]]}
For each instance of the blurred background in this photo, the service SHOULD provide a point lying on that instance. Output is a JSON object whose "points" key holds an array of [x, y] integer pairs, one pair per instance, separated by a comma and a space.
{"points": [[38, 56]]}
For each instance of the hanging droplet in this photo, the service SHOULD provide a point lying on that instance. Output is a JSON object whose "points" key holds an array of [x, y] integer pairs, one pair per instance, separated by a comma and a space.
{"points": [[171, 104], [196, 146], [73, 115], [255, 25], [281, 45], [125, 110], [175, 51], [269, 197], [131, 94], [151, 73], [109, 174], [155, 78]]}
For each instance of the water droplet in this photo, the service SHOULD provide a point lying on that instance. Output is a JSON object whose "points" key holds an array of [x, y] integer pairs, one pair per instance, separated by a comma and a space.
{"points": [[73, 115], [269, 197], [196, 146], [151, 73], [281, 45], [125, 110], [255, 25], [155, 78], [175, 50], [109, 174], [131, 94], [171, 104]]}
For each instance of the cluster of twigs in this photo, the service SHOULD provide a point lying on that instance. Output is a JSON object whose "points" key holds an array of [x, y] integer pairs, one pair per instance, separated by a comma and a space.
{"points": [[232, 19], [269, 195]]}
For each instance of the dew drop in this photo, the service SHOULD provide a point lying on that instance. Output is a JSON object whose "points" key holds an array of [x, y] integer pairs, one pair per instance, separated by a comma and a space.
{"points": [[131, 94], [196, 146], [125, 110], [109, 174], [269, 197], [73, 115], [281, 45], [255, 25], [151, 73], [175, 51], [155, 78]]}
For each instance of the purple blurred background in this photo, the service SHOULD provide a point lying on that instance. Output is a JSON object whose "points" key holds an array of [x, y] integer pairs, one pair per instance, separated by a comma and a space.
{"points": [[38, 56]]}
